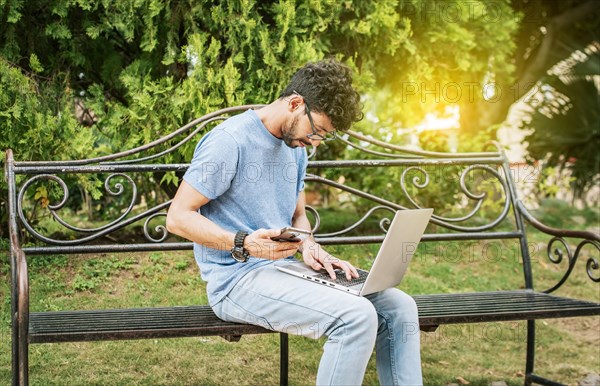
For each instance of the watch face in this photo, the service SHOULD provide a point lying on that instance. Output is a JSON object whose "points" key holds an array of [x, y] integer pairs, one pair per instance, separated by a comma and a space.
{"points": [[239, 254]]}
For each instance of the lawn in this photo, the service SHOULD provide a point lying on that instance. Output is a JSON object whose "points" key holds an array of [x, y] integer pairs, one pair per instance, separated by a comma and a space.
{"points": [[476, 353]]}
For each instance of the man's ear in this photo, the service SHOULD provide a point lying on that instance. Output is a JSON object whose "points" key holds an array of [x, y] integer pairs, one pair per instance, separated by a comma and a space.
{"points": [[295, 102]]}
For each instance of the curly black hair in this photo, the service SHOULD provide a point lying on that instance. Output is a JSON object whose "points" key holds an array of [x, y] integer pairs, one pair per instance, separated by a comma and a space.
{"points": [[326, 87]]}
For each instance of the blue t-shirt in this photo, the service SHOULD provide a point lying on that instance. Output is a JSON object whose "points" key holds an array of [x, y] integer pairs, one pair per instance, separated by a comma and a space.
{"points": [[253, 180]]}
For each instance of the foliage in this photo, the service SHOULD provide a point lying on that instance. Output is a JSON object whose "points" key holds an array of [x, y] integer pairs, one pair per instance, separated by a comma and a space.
{"points": [[100, 77], [37, 122], [560, 214], [450, 50], [557, 57], [95, 272], [143, 76], [574, 151]]}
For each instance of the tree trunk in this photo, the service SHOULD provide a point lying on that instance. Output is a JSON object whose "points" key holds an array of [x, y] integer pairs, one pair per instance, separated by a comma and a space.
{"points": [[487, 113]]}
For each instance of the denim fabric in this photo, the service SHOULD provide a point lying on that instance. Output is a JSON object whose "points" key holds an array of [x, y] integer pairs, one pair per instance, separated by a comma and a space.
{"points": [[354, 325]]}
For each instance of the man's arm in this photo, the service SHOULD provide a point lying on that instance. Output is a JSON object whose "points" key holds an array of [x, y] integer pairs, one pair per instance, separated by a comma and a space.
{"points": [[312, 253], [184, 220]]}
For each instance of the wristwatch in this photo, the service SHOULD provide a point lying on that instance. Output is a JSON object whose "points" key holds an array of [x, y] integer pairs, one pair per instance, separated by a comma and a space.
{"points": [[238, 252]]}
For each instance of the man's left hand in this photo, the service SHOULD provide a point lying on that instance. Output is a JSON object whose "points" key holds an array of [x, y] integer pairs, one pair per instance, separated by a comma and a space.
{"points": [[317, 258]]}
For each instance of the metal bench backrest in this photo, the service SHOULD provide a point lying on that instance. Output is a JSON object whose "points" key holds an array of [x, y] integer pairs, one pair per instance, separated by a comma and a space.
{"points": [[122, 175]]}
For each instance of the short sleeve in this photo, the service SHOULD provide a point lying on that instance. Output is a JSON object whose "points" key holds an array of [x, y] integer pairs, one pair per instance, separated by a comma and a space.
{"points": [[214, 165], [302, 166]]}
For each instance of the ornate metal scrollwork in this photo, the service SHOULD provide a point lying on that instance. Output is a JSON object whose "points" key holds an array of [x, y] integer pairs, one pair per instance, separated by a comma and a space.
{"points": [[478, 198], [115, 190], [374, 152], [383, 223], [161, 229], [557, 252], [317, 218], [555, 255], [182, 142], [423, 183], [591, 265], [119, 189]]}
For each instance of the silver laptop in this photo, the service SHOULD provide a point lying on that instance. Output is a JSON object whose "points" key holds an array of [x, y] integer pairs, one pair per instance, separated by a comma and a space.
{"points": [[391, 262]]}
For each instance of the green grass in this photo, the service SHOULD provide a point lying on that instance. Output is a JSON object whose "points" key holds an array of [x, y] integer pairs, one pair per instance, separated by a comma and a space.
{"points": [[480, 353]]}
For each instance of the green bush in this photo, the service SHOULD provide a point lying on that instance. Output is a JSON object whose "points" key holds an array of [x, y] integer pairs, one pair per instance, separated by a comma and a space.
{"points": [[90, 77]]}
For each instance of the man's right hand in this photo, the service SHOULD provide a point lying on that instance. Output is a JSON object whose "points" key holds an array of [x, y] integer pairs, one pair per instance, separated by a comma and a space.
{"points": [[259, 244]]}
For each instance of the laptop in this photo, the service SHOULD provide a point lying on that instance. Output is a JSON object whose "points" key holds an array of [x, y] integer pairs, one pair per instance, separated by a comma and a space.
{"points": [[391, 262]]}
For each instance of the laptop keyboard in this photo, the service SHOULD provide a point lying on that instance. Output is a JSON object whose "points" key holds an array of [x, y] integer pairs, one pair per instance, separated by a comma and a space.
{"points": [[340, 277]]}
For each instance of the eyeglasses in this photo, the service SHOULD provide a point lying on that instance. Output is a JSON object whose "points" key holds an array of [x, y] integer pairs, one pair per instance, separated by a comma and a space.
{"points": [[328, 136]]}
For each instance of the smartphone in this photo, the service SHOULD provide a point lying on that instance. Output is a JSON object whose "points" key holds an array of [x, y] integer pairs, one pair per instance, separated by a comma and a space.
{"points": [[292, 234]]}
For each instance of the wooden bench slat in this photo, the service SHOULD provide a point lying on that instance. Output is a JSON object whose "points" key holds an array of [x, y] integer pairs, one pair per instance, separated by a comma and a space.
{"points": [[477, 307], [494, 300], [139, 323]]}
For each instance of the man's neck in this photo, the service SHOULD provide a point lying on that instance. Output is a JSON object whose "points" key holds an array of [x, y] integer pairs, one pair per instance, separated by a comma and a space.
{"points": [[273, 116]]}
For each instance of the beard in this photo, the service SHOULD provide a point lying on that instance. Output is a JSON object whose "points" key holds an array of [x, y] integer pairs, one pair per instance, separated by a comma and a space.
{"points": [[288, 135]]}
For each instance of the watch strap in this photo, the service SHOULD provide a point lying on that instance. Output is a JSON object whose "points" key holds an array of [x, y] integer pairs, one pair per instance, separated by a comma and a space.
{"points": [[238, 240]]}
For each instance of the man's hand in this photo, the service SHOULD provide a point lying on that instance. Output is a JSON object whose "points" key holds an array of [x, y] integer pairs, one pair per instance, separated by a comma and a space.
{"points": [[317, 258], [259, 244]]}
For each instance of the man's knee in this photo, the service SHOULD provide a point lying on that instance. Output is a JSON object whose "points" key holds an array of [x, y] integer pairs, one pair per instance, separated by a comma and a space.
{"points": [[359, 317], [410, 306], [403, 305], [405, 316], [365, 314]]}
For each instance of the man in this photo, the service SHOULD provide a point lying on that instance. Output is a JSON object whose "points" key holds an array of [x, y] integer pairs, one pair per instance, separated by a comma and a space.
{"points": [[245, 183]]}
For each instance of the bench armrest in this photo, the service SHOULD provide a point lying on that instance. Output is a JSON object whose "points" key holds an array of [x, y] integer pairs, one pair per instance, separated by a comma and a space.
{"points": [[555, 255]]}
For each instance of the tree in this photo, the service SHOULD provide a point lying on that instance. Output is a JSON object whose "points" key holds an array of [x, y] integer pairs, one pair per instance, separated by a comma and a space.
{"points": [[564, 120], [540, 44], [132, 61], [564, 104], [82, 77]]}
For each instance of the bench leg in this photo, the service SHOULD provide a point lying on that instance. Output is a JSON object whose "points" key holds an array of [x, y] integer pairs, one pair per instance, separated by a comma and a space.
{"points": [[283, 358], [14, 324], [530, 352], [530, 377], [24, 367], [15, 351], [23, 362], [19, 348]]}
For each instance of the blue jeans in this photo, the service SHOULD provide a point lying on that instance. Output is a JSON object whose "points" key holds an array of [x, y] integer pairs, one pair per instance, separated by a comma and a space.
{"points": [[353, 325]]}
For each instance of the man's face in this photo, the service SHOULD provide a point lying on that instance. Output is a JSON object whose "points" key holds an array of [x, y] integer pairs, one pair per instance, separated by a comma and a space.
{"points": [[299, 131]]}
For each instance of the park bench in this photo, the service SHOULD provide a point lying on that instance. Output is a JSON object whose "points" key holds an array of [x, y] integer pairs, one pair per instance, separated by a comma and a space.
{"points": [[415, 171]]}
